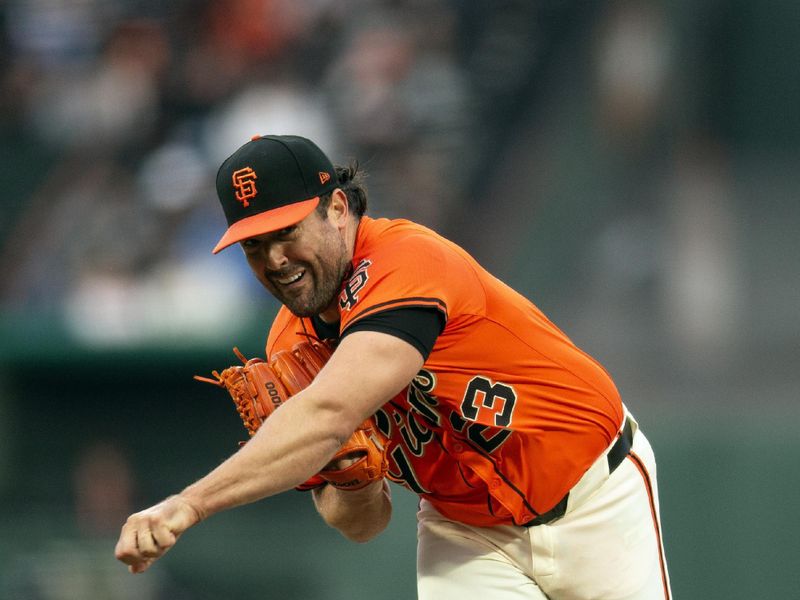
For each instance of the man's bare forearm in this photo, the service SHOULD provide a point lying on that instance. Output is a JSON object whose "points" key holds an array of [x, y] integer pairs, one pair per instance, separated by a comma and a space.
{"points": [[292, 445]]}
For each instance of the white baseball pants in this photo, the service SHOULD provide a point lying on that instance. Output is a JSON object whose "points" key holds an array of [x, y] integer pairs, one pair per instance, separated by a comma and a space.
{"points": [[606, 547]]}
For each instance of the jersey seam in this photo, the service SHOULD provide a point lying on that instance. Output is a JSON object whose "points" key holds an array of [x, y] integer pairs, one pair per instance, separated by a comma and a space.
{"points": [[507, 481], [278, 335]]}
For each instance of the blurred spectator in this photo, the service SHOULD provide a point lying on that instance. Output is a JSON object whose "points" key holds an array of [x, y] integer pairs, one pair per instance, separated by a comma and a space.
{"points": [[703, 291], [147, 107], [401, 102], [113, 101], [633, 67], [54, 35], [83, 566]]}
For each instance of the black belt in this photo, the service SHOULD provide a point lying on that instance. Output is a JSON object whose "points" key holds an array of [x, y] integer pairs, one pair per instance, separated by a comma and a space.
{"points": [[615, 456]]}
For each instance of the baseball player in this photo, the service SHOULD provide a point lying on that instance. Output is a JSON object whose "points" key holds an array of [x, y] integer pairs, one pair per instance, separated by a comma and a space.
{"points": [[535, 481]]}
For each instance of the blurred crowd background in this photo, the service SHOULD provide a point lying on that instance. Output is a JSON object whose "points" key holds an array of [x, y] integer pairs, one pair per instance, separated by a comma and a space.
{"points": [[630, 165]]}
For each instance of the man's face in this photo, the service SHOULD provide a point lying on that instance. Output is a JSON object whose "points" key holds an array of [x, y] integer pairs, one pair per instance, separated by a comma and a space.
{"points": [[303, 266]]}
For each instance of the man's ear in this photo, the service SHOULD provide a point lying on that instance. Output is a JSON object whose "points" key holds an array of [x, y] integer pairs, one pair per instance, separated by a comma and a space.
{"points": [[338, 209]]}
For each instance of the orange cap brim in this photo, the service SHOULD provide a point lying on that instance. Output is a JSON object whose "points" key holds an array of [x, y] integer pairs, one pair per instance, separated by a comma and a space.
{"points": [[266, 222]]}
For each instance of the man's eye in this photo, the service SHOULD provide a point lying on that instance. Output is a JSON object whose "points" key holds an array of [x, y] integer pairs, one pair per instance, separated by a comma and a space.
{"points": [[249, 244], [286, 231]]}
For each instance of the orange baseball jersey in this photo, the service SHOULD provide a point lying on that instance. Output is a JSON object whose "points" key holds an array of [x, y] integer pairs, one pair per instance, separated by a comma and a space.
{"points": [[507, 413]]}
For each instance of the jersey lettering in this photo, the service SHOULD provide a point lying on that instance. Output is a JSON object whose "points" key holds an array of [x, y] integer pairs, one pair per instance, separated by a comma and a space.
{"points": [[414, 439], [481, 392], [383, 423], [415, 435], [484, 437], [349, 296], [420, 397], [406, 474]]}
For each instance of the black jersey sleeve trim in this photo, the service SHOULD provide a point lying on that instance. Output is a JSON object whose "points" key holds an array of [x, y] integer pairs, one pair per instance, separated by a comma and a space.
{"points": [[417, 325], [411, 302], [325, 331]]}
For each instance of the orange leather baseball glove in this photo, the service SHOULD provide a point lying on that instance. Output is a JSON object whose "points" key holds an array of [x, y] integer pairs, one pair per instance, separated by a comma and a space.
{"points": [[258, 388]]}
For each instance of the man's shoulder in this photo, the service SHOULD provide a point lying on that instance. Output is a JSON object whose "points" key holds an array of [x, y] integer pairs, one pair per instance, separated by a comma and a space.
{"points": [[403, 239], [400, 263]]}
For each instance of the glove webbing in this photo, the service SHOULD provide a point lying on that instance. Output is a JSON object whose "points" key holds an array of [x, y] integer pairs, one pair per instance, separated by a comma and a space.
{"points": [[241, 400]]}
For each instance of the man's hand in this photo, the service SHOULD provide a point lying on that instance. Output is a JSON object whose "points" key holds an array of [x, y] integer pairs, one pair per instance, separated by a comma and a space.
{"points": [[147, 535]]}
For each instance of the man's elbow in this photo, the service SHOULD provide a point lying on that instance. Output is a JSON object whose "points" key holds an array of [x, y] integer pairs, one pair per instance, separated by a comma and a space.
{"points": [[359, 515], [361, 537], [361, 533], [363, 527]]}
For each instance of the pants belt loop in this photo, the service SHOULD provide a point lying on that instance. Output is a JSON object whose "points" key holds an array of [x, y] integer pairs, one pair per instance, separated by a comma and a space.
{"points": [[622, 446]]}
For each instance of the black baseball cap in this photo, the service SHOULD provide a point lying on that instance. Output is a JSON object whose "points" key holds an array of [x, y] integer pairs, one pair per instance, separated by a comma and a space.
{"points": [[271, 182]]}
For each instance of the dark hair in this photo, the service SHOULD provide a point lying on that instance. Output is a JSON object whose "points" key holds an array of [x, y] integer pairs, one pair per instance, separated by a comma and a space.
{"points": [[351, 182]]}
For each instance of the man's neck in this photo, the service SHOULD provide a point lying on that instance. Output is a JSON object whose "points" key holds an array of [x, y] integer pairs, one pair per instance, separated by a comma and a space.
{"points": [[330, 314]]}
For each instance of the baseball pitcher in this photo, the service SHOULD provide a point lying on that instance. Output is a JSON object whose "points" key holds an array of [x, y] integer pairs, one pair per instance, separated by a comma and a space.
{"points": [[397, 357]]}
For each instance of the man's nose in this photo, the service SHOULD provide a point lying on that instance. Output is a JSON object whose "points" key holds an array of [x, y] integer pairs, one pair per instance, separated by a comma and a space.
{"points": [[275, 257]]}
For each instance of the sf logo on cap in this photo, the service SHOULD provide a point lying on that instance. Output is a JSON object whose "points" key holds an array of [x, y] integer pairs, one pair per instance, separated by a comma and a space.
{"points": [[244, 182]]}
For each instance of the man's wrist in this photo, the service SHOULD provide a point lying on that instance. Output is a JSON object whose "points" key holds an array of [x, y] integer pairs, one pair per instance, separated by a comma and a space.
{"points": [[192, 504]]}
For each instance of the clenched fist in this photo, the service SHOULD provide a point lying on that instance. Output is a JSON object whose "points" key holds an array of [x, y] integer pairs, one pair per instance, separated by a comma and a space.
{"points": [[147, 535]]}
